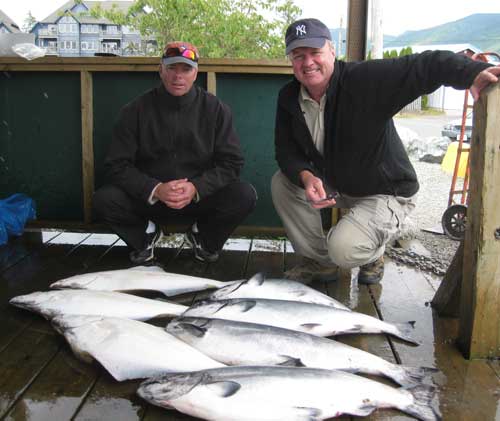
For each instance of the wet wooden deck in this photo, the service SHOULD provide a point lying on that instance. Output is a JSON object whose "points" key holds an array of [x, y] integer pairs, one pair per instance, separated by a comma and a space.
{"points": [[40, 379]]}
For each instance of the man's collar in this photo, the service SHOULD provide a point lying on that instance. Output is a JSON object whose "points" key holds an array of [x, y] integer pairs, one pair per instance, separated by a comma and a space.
{"points": [[177, 101]]}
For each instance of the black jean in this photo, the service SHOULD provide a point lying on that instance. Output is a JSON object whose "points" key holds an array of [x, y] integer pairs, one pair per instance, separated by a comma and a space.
{"points": [[217, 215]]}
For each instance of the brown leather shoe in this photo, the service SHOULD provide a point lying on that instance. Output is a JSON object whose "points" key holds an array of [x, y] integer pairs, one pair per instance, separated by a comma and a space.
{"points": [[310, 270], [371, 273]]}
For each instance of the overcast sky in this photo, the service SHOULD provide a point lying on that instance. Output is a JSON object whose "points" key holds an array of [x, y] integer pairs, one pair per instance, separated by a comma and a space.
{"points": [[398, 15]]}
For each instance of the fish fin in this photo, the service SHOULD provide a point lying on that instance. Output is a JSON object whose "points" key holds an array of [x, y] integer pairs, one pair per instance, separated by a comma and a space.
{"points": [[291, 361], [223, 389], [307, 413], [148, 268], [421, 407], [258, 279], [226, 290], [194, 330], [366, 408], [404, 331], [410, 376], [244, 305], [310, 326], [354, 329]]}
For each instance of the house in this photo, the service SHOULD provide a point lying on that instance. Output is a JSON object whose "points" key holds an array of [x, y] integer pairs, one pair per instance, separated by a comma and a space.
{"points": [[7, 25], [445, 97], [71, 31]]}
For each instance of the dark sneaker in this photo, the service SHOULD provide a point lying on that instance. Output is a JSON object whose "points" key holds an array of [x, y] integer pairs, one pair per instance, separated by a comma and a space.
{"points": [[200, 253], [310, 270], [147, 255], [371, 273]]}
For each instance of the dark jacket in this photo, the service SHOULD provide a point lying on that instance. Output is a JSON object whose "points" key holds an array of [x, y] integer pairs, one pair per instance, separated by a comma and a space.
{"points": [[363, 154], [159, 137]]}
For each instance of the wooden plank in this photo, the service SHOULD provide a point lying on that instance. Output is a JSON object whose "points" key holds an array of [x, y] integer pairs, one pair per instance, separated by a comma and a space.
{"points": [[152, 61], [23, 360], [479, 335], [58, 390], [18, 248], [87, 143], [142, 64], [466, 389], [271, 262]]}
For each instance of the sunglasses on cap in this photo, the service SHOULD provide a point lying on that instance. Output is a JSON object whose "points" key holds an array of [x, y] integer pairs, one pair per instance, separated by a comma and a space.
{"points": [[181, 52]]}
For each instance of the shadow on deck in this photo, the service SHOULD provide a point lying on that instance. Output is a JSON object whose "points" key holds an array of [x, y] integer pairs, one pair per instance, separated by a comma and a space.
{"points": [[40, 379]]}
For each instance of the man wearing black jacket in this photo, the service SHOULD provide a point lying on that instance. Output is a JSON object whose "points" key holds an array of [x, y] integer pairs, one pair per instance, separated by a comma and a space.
{"points": [[174, 157], [336, 146]]}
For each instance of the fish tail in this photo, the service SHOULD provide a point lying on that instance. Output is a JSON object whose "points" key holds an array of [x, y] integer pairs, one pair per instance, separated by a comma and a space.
{"points": [[410, 376], [405, 331], [421, 407]]}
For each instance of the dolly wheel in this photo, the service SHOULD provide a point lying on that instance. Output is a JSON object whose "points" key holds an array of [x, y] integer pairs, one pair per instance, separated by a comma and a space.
{"points": [[454, 220]]}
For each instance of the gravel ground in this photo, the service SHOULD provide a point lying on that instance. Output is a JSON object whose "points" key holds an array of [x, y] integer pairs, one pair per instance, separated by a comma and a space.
{"points": [[432, 252]]}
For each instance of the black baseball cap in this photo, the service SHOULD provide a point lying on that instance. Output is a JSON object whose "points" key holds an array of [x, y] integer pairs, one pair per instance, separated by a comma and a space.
{"points": [[306, 33]]}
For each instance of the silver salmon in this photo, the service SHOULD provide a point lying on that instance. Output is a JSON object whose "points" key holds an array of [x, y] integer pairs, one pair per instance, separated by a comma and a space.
{"points": [[276, 289], [240, 343], [138, 278], [101, 303], [315, 319], [281, 394]]}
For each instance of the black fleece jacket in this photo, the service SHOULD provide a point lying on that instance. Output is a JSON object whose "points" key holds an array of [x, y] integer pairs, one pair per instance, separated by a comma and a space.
{"points": [[363, 154], [159, 137]]}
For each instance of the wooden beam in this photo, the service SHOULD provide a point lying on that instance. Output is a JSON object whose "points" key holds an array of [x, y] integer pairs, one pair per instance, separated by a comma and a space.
{"points": [[479, 334], [140, 64], [446, 301], [357, 21], [87, 143], [212, 83]]}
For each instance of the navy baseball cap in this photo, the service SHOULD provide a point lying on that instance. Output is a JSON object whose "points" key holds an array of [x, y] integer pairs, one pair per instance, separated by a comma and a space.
{"points": [[306, 33]]}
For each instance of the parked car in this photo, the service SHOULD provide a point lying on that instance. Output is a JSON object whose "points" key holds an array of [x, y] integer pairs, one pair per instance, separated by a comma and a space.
{"points": [[452, 129]]}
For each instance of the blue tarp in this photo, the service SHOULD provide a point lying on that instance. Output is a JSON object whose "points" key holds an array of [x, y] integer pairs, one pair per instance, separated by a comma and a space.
{"points": [[15, 211]]}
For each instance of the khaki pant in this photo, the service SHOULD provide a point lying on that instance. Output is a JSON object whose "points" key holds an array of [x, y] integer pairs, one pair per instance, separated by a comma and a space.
{"points": [[359, 237]]}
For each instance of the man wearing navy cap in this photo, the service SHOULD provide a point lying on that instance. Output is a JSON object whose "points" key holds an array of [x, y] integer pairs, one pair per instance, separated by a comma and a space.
{"points": [[336, 146], [174, 157]]}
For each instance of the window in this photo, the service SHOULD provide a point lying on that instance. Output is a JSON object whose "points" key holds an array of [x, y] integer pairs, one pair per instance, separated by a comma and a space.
{"points": [[90, 29], [67, 28], [112, 29], [88, 45], [68, 45], [109, 47]]}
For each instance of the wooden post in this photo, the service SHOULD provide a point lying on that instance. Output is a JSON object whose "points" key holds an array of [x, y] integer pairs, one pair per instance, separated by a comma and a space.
{"points": [[479, 334], [356, 30], [87, 143], [212, 83]]}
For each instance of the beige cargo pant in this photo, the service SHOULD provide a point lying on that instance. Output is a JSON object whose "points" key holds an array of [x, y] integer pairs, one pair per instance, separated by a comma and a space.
{"points": [[358, 238]]}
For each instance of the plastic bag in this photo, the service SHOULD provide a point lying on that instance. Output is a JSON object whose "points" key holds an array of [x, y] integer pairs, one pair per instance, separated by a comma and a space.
{"points": [[15, 211], [28, 51]]}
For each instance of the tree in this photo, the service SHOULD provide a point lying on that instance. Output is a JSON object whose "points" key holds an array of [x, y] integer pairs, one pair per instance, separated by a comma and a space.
{"points": [[219, 28], [29, 22]]}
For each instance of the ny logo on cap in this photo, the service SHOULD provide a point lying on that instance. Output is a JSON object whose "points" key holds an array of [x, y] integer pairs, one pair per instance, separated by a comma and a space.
{"points": [[300, 30]]}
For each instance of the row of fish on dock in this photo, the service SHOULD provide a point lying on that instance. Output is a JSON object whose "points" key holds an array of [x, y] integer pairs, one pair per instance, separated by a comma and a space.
{"points": [[253, 349]]}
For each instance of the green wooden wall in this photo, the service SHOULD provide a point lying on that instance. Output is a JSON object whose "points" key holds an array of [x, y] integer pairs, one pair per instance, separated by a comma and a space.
{"points": [[40, 141], [40, 133], [252, 99]]}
